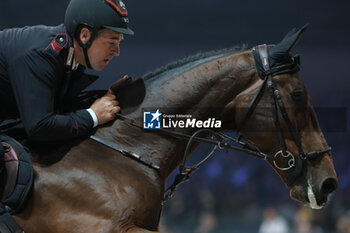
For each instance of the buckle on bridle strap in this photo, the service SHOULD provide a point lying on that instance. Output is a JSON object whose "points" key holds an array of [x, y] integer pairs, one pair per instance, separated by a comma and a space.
{"points": [[287, 154]]}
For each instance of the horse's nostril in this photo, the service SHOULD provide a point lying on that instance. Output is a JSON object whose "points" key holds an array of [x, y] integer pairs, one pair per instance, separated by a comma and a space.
{"points": [[329, 185]]}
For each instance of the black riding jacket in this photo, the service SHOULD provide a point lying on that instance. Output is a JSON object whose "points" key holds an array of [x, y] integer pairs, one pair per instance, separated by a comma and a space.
{"points": [[37, 85]]}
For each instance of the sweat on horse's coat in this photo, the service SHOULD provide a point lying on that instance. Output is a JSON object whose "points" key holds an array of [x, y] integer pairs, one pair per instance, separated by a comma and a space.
{"points": [[92, 188]]}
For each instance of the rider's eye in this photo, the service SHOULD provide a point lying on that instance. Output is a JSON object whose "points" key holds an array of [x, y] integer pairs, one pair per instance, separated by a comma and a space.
{"points": [[298, 96]]}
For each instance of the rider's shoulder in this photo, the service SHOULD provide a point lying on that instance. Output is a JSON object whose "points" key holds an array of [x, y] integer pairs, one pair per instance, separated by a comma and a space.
{"points": [[58, 42], [35, 42]]}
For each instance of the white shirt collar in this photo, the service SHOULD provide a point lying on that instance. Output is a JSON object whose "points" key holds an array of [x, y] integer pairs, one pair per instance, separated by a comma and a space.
{"points": [[75, 65]]}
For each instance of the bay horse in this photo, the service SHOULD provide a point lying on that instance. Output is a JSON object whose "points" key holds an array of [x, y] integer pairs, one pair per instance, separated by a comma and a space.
{"points": [[258, 93]]}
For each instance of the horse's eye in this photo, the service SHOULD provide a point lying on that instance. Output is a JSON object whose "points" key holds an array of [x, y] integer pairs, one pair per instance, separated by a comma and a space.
{"points": [[298, 96]]}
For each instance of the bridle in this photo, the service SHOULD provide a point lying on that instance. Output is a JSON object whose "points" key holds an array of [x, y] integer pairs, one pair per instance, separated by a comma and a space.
{"points": [[291, 163], [294, 163]]}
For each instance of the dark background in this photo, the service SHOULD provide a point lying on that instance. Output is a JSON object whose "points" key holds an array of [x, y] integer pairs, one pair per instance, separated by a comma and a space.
{"points": [[233, 189]]}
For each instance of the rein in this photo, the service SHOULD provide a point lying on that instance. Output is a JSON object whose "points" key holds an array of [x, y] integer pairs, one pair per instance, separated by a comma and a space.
{"points": [[221, 142], [293, 163]]}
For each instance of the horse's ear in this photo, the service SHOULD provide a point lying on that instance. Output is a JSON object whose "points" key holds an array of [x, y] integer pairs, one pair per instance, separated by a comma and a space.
{"points": [[291, 39], [290, 33]]}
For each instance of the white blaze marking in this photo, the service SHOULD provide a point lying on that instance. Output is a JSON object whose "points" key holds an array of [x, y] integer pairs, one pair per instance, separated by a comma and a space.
{"points": [[311, 196]]}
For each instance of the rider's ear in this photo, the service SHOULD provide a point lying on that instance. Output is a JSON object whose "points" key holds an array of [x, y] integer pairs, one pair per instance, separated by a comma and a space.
{"points": [[85, 35]]}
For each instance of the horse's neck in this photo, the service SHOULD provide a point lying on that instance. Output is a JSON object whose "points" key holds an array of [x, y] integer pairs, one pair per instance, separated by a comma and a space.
{"points": [[195, 90]]}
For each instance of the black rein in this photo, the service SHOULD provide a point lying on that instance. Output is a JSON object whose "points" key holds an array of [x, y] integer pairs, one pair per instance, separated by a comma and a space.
{"points": [[221, 141]]}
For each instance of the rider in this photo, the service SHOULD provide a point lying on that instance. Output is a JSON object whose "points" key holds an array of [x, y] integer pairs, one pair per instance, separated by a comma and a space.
{"points": [[42, 70]]}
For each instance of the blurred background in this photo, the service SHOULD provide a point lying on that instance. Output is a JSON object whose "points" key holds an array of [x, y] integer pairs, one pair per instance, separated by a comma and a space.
{"points": [[234, 192]]}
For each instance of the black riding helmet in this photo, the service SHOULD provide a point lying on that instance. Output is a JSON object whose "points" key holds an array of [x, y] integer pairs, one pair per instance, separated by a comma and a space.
{"points": [[96, 15]]}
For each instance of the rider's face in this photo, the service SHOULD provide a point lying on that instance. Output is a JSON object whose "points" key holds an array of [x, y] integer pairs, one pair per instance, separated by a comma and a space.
{"points": [[104, 48]]}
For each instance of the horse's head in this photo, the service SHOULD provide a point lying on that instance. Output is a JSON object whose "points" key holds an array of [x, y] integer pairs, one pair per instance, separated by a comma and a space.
{"points": [[275, 115], [270, 104]]}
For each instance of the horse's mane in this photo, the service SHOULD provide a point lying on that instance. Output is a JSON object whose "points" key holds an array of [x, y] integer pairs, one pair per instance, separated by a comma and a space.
{"points": [[193, 58]]}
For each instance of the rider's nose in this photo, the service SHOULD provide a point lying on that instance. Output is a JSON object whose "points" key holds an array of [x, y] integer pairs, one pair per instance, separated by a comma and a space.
{"points": [[116, 50]]}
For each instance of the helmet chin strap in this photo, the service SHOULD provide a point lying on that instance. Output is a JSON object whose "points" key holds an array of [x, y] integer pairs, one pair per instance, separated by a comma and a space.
{"points": [[87, 45]]}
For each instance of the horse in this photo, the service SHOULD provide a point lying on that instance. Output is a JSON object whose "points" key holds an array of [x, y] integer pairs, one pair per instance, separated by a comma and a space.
{"points": [[116, 184]]}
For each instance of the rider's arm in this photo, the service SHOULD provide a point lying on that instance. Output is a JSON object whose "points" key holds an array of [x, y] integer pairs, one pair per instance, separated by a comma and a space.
{"points": [[35, 79]]}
